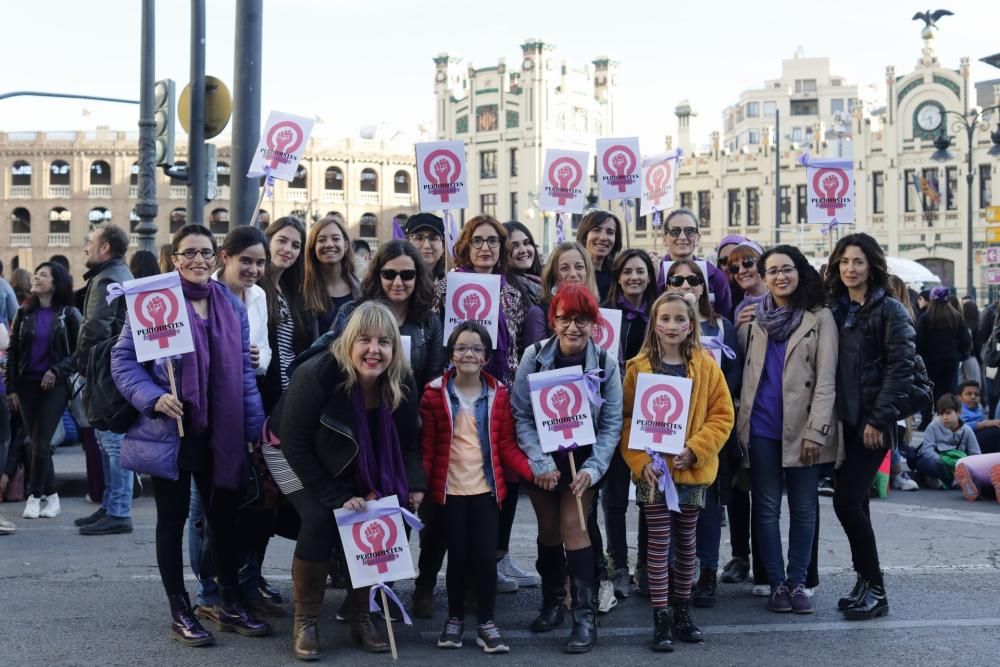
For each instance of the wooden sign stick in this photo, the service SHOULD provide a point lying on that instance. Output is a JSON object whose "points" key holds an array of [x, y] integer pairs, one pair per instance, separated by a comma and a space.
{"points": [[173, 392], [579, 502], [388, 624]]}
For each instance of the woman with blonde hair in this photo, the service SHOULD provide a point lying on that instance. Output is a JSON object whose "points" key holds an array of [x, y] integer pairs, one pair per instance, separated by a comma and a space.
{"points": [[569, 263], [345, 432], [330, 280]]}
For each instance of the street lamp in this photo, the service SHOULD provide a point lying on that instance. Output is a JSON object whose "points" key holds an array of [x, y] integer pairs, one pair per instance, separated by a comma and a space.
{"points": [[970, 123]]}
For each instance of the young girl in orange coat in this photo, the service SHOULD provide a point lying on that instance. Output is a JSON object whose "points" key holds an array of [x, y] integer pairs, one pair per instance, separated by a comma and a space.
{"points": [[672, 347], [467, 437]]}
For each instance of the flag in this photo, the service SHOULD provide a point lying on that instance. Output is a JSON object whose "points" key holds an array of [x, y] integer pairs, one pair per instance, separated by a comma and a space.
{"points": [[929, 190], [881, 482]]}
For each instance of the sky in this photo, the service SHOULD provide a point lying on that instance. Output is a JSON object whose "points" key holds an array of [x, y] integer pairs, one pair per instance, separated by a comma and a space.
{"points": [[363, 63]]}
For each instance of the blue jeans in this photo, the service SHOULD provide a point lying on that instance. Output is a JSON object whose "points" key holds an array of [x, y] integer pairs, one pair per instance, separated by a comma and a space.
{"points": [[767, 479], [710, 529], [202, 563], [929, 463], [117, 500]]}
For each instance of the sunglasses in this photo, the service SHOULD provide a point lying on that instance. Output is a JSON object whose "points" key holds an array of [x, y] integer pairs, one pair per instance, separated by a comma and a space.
{"points": [[390, 274], [689, 232], [677, 281], [747, 263]]}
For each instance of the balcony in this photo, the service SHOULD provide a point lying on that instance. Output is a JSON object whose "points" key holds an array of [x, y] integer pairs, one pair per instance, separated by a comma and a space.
{"points": [[402, 199], [20, 240], [222, 192], [20, 191], [59, 240], [333, 196], [100, 192], [59, 191], [369, 198], [220, 239], [178, 192], [133, 191], [298, 194]]}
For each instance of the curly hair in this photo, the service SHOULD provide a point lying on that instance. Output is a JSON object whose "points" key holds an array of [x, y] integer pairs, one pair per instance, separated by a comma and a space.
{"points": [[878, 271], [809, 293], [423, 289], [463, 246]]}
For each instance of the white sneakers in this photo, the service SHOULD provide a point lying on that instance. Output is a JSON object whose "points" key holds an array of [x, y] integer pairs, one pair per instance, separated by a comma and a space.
{"points": [[511, 570], [33, 507], [6, 525], [606, 600]]}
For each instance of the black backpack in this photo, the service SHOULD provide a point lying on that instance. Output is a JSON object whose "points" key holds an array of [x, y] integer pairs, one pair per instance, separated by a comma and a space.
{"points": [[106, 408], [920, 393]]}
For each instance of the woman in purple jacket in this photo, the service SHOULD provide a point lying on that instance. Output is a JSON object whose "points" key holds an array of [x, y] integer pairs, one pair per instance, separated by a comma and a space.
{"points": [[217, 394]]}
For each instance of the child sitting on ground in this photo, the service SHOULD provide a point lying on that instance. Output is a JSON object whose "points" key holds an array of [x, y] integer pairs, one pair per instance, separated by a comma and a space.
{"points": [[987, 430], [945, 441]]}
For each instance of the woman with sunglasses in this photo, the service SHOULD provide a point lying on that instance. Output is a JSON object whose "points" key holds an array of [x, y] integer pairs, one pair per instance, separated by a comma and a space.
{"points": [[742, 268], [600, 232], [568, 264], [330, 282], [680, 239], [718, 336]]}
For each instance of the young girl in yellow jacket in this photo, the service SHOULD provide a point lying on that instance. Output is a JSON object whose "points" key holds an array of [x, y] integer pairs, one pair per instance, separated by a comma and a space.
{"points": [[672, 347]]}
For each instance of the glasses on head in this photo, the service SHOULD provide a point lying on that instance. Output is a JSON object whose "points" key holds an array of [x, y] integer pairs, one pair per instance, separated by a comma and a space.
{"points": [[191, 253], [786, 270], [462, 350], [580, 321], [677, 281], [391, 274], [689, 232], [747, 263], [420, 239], [492, 241]]}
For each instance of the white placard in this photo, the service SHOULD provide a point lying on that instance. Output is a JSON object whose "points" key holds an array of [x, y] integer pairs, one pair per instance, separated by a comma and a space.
{"points": [[618, 168], [831, 191], [472, 296], [407, 343], [562, 408], [563, 181], [376, 549], [659, 177], [607, 331], [158, 316], [281, 145], [660, 412], [442, 175]]}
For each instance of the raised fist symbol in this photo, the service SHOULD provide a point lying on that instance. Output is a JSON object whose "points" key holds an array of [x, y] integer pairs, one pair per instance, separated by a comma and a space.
{"points": [[157, 308], [441, 169], [619, 161], [375, 534], [565, 173], [471, 304], [283, 139], [830, 183], [660, 406], [560, 401]]}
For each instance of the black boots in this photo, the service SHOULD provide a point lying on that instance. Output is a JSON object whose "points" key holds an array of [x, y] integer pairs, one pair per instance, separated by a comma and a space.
{"points": [[184, 627], [233, 616], [662, 640], [551, 565], [363, 630], [704, 590], [872, 604], [308, 582], [584, 634], [684, 628], [855, 595]]}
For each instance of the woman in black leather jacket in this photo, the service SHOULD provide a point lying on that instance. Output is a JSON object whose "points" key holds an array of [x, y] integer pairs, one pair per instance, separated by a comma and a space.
{"points": [[877, 344], [39, 364]]}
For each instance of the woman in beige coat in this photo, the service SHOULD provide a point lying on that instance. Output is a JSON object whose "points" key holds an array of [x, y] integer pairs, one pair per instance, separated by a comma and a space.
{"points": [[786, 417]]}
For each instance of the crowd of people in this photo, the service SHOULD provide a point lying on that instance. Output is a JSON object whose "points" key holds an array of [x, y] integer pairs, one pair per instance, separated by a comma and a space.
{"points": [[801, 385]]}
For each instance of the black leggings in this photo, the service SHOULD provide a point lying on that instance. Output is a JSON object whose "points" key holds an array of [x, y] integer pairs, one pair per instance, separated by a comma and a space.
{"points": [[614, 499], [173, 498], [471, 525], [432, 543], [41, 411], [508, 510], [850, 501], [318, 534]]}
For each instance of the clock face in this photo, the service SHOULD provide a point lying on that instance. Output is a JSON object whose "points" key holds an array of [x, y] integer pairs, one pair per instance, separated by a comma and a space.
{"points": [[929, 117], [441, 76], [527, 64]]}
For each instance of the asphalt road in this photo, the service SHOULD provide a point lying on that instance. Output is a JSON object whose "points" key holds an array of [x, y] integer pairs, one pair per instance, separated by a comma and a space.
{"points": [[66, 599]]}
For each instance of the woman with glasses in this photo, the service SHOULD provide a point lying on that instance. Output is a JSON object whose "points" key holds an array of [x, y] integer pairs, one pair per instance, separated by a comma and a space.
{"points": [[742, 269], [563, 545], [786, 416], [568, 264], [426, 232], [600, 232], [218, 404], [482, 248], [330, 282], [877, 344], [680, 240], [722, 253]]}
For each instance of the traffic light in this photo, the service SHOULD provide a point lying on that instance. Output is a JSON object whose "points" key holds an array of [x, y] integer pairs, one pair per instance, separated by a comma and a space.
{"points": [[163, 100]]}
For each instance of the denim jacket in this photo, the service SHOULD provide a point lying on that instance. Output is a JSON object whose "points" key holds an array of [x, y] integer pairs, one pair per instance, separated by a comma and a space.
{"points": [[482, 417]]}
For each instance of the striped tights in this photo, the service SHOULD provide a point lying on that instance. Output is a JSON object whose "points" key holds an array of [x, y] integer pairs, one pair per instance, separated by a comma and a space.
{"points": [[682, 527]]}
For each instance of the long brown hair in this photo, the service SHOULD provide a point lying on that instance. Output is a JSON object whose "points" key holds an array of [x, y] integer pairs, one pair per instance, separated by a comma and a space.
{"points": [[290, 283], [550, 273], [592, 221], [649, 294], [314, 286], [651, 343]]}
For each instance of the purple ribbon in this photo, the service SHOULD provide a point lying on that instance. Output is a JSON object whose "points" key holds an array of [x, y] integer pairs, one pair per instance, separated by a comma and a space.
{"points": [[627, 208], [826, 229], [560, 229], [566, 451], [375, 606], [161, 281], [451, 232], [592, 380], [268, 182], [351, 518], [805, 161], [397, 229], [716, 343], [664, 481], [657, 218]]}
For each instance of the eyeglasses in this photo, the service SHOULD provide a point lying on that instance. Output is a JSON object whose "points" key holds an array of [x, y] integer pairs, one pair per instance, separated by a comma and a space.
{"points": [[478, 241], [581, 321], [747, 263], [420, 239], [462, 350], [677, 281], [390, 274], [783, 270], [191, 253], [689, 232]]}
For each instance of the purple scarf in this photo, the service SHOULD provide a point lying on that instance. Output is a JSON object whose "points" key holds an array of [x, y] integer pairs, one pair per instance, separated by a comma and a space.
{"points": [[778, 321], [497, 365], [380, 462], [630, 312], [216, 364]]}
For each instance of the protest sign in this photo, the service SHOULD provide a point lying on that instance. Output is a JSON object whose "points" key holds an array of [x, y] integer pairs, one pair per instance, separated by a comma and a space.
{"points": [[830, 196], [158, 316], [561, 406], [563, 181], [660, 412], [607, 330], [407, 343], [442, 175], [281, 146], [472, 296], [659, 176], [618, 168]]}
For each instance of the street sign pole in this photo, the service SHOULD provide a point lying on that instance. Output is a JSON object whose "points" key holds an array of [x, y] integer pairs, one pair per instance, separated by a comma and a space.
{"points": [[196, 133], [146, 208]]}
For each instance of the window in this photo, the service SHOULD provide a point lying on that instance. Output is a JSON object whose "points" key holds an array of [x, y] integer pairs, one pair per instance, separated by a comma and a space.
{"points": [[222, 173], [753, 137], [133, 177], [686, 198], [59, 219], [369, 226], [98, 215], [753, 109], [513, 206], [729, 123], [178, 218], [909, 193], [753, 207], [20, 173], [20, 221], [850, 104], [770, 109], [951, 189], [809, 134], [797, 135], [513, 162], [180, 168], [333, 179], [369, 181], [59, 173], [641, 223], [488, 205], [805, 85], [878, 192], [985, 185], [487, 164], [100, 173], [487, 118], [836, 105], [786, 204], [801, 213], [733, 198], [401, 183], [705, 208], [930, 176], [218, 221], [301, 179], [804, 107], [740, 114]]}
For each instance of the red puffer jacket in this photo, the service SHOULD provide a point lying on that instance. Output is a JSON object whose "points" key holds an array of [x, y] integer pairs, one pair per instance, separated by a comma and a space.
{"points": [[436, 437]]}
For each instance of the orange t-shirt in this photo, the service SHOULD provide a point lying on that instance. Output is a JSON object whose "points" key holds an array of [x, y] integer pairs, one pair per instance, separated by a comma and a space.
{"points": [[465, 465]]}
